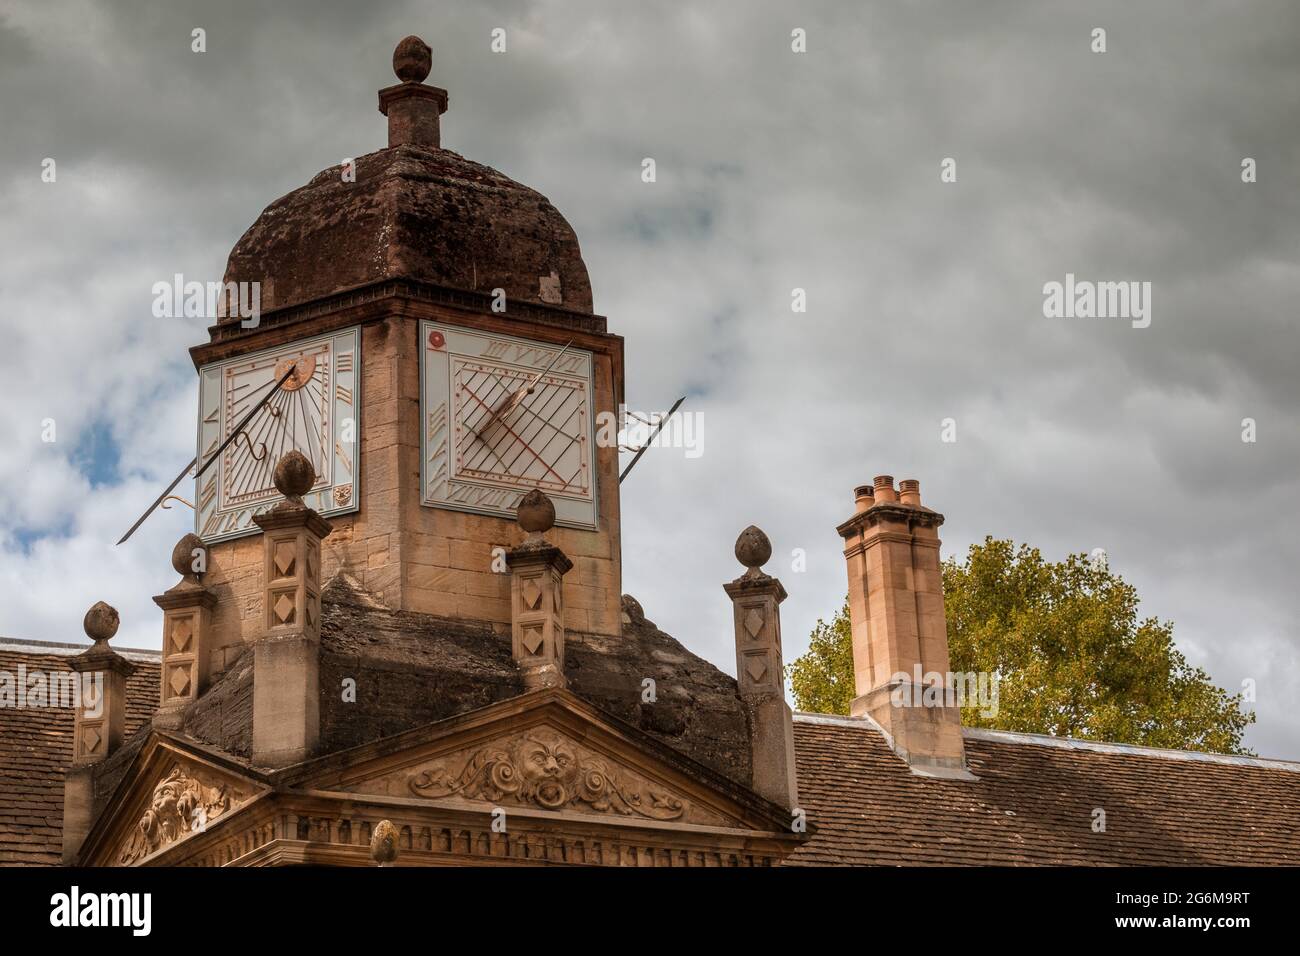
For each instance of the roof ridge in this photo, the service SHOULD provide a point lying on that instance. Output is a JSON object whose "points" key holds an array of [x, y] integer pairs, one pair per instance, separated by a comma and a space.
{"points": [[1071, 743], [63, 648]]}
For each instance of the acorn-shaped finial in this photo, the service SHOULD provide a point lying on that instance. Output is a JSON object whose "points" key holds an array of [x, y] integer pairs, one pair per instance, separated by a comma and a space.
{"points": [[412, 60], [753, 548], [185, 555], [101, 622], [294, 476], [383, 843]]}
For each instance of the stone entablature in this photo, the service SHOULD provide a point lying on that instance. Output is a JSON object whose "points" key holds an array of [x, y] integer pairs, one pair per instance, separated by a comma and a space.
{"points": [[543, 778]]}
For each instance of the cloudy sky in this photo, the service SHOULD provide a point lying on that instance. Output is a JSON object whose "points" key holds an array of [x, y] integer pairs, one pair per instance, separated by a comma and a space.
{"points": [[776, 171]]}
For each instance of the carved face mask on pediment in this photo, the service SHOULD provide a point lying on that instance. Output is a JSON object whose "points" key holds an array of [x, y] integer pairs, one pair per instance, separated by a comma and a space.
{"points": [[185, 801], [544, 769]]}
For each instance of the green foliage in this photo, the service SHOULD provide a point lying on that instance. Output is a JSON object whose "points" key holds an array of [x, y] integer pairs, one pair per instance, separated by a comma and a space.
{"points": [[1072, 656], [822, 679]]}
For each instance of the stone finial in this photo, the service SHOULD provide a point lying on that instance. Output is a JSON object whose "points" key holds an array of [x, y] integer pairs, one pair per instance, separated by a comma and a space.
{"points": [[294, 476], [100, 720], [183, 555], [100, 623], [412, 107], [536, 515], [383, 843], [537, 569], [753, 548], [286, 656], [756, 600], [412, 60], [187, 628]]}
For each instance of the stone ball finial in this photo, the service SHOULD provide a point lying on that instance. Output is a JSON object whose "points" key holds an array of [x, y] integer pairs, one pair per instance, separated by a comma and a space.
{"points": [[412, 60], [753, 548], [294, 476], [101, 622], [383, 843], [183, 554], [536, 513]]}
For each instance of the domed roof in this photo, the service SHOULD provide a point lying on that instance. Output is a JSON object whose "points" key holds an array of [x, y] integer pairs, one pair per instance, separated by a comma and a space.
{"points": [[413, 211]]}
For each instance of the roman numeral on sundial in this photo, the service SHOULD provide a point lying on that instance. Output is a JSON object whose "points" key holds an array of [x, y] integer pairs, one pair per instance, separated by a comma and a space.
{"points": [[209, 492], [437, 419]]}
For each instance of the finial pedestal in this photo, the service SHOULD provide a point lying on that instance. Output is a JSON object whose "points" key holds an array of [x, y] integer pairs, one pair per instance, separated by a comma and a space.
{"points": [[413, 109], [187, 626], [756, 601], [537, 570], [286, 658]]}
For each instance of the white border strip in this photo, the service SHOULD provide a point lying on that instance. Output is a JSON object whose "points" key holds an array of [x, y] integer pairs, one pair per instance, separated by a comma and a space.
{"points": [[1068, 743], [52, 649]]}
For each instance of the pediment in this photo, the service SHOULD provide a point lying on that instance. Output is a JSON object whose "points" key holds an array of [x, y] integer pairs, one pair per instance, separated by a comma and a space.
{"points": [[170, 795], [547, 753]]}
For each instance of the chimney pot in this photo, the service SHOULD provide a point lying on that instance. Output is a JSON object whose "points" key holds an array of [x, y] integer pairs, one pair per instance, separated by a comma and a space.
{"points": [[909, 492], [885, 489], [863, 497]]}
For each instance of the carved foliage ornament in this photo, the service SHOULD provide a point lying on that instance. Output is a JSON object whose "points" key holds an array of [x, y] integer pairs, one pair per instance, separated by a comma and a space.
{"points": [[545, 770], [184, 802]]}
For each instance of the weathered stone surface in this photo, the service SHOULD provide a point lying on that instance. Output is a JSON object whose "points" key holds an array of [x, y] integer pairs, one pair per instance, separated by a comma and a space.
{"points": [[412, 669], [100, 622], [414, 212]]}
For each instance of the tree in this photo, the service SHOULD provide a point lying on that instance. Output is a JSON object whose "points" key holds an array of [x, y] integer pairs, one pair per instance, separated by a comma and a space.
{"points": [[822, 679], [1071, 657]]}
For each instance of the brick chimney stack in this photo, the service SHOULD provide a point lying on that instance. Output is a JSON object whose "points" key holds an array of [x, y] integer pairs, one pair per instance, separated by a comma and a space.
{"points": [[413, 109], [900, 633], [286, 657]]}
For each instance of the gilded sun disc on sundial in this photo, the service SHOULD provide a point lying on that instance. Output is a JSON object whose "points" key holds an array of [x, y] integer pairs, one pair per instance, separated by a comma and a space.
{"points": [[304, 367]]}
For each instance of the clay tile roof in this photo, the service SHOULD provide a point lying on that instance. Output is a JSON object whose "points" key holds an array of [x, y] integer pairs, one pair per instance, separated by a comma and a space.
{"points": [[1032, 804], [414, 212], [1034, 800], [36, 748]]}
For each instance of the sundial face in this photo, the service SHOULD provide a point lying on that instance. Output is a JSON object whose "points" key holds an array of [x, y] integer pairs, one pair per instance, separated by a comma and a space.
{"points": [[314, 412], [503, 415]]}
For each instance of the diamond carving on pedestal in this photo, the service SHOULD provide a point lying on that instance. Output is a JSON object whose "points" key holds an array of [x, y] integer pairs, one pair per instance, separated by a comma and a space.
{"points": [[532, 639], [91, 739], [531, 594], [753, 622], [182, 631], [284, 558], [756, 667], [180, 681], [284, 609]]}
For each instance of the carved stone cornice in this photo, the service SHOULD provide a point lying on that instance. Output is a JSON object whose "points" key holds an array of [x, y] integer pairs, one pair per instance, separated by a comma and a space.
{"points": [[401, 289], [890, 512]]}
